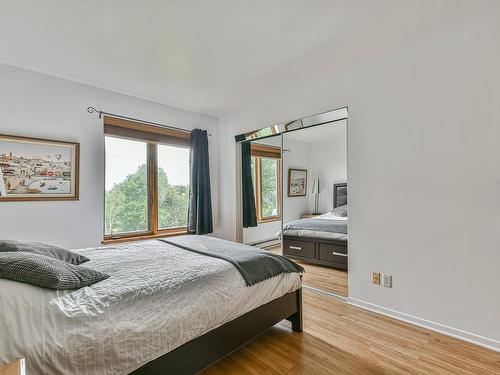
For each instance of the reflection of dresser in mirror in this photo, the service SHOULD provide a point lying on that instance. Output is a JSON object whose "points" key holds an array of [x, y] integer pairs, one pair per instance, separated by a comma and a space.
{"points": [[324, 252]]}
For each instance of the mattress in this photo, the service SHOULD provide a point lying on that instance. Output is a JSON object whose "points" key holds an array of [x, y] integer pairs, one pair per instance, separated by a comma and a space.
{"points": [[317, 227], [157, 298], [315, 234]]}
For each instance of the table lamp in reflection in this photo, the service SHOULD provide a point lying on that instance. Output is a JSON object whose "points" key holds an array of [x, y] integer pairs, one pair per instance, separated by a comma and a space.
{"points": [[316, 192]]}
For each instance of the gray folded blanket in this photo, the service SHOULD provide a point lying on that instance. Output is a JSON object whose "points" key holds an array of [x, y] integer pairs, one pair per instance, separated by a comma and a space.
{"points": [[253, 264], [322, 225]]}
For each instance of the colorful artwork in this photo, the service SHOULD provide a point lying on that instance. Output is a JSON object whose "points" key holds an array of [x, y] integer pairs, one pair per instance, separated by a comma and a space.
{"points": [[34, 169], [297, 182]]}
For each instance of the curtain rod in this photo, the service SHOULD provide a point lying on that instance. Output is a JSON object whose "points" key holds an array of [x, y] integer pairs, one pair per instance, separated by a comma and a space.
{"points": [[101, 113]]}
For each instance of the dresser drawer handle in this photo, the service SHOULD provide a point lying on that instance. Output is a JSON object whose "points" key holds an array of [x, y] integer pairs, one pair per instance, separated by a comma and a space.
{"points": [[295, 248], [339, 254]]}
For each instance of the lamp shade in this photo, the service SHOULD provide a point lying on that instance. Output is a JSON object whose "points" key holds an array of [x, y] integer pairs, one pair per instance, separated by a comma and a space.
{"points": [[316, 186]]}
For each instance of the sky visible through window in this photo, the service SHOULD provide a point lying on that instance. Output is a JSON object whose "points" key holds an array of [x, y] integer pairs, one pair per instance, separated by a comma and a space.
{"points": [[175, 163], [124, 156]]}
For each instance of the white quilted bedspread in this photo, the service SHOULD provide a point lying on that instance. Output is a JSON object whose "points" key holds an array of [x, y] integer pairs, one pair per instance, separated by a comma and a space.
{"points": [[157, 298]]}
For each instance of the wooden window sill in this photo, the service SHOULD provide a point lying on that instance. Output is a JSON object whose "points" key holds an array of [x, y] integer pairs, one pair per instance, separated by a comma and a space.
{"points": [[166, 233], [16, 367], [269, 220]]}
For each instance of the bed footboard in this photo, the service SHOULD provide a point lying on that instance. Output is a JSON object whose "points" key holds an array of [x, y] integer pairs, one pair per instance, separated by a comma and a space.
{"points": [[296, 318]]}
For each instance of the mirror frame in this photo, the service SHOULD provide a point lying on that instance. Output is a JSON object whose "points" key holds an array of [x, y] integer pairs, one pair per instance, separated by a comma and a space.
{"points": [[304, 122]]}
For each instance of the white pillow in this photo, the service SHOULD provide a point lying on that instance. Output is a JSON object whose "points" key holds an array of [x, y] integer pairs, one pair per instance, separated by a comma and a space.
{"points": [[340, 211]]}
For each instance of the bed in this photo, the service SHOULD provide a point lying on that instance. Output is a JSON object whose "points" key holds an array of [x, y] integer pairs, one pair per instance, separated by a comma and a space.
{"points": [[322, 239], [163, 310]]}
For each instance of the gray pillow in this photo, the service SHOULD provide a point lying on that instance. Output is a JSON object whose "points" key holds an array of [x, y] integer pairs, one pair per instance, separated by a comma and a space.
{"points": [[47, 272], [42, 249], [340, 211]]}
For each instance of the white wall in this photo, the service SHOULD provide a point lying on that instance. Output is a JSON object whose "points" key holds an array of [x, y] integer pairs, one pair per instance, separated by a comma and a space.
{"points": [[41, 106], [423, 160], [262, 232], [329, 164], [296, 156]]}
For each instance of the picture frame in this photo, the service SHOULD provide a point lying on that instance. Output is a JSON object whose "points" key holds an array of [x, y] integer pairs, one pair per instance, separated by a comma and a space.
{"points": [[36, 169], [297, 182]]}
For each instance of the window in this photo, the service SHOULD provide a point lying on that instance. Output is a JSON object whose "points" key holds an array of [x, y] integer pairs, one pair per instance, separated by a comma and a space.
{"points": [[147, 180], [126, 197], [173, 186], [269, 172], [266, 172]]}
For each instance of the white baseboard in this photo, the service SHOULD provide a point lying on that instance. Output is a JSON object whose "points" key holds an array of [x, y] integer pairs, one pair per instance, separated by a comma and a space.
{"points": [[321, 291], [485, 342]]}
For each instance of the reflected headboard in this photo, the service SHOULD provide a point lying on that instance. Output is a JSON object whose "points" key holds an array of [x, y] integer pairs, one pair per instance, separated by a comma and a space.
{"points": [[339, 195]]}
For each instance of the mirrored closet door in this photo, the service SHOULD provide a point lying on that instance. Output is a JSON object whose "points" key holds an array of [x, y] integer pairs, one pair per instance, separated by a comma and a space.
{"points": [[294, 195], [315, 204]]}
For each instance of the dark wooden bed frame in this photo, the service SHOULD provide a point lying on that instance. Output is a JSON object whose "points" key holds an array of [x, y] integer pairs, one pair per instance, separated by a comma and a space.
{"points": [[214, 345], [326, 252]]}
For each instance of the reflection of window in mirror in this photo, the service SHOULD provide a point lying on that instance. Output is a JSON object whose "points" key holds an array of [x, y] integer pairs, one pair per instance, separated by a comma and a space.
{"points": [[264, 132], [266, 174]]}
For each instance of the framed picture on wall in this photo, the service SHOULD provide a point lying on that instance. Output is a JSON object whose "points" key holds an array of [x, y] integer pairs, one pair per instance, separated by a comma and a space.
{"points": [[297, 182], [38, 169]]}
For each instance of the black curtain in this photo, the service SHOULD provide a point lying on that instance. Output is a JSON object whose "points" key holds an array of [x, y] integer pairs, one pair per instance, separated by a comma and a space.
{"points": [[248, 197], [200, 200]]}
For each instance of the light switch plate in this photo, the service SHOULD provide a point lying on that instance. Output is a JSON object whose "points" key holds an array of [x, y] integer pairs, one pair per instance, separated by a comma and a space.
{"points": [[386, 280], [376, 278]]}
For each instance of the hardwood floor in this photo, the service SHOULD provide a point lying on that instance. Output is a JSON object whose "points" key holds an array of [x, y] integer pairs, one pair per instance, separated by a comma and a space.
{"points": [[341, 339], [325, 278]]}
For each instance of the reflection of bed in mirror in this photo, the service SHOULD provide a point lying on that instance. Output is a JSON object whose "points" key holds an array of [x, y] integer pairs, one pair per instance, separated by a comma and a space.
{"points": [[321, 239]]}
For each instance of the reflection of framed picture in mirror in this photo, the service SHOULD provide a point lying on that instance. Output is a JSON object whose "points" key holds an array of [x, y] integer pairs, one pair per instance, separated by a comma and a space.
{"points": [[297, 182], [38, 169]]}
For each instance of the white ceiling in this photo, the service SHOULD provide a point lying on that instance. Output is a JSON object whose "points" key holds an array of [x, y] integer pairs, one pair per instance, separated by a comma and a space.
{"points": [[211, 57]]}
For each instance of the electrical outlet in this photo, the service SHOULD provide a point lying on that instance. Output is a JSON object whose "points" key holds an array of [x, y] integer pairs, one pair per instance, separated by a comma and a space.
{"points": [[387, 280], [376, 278]]}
